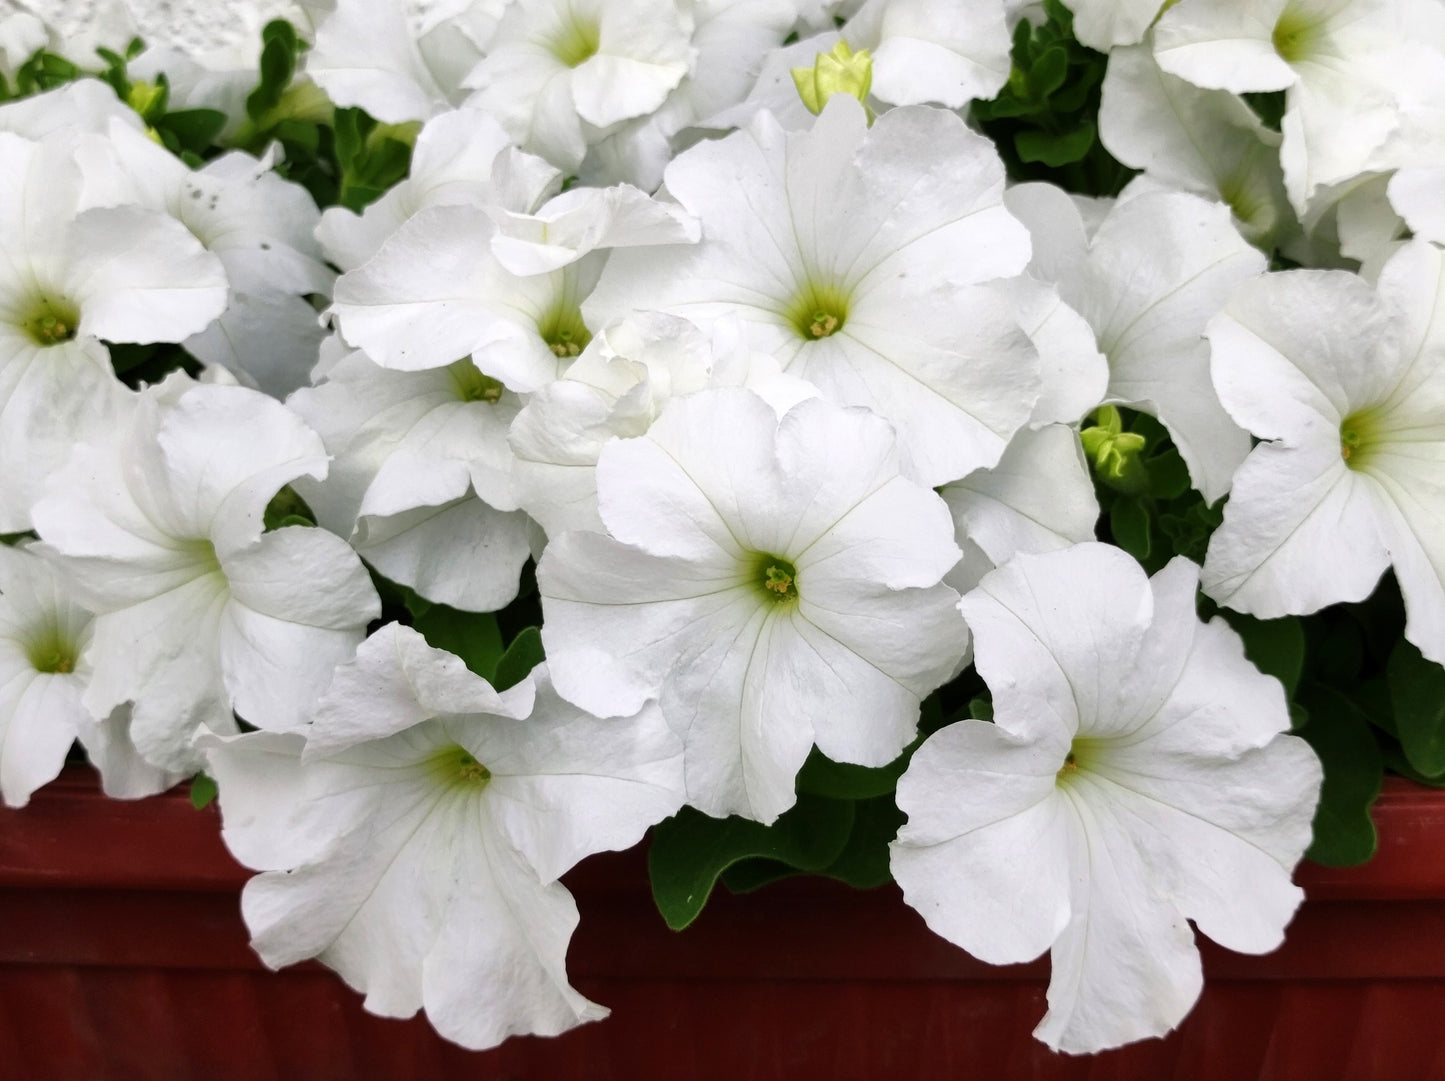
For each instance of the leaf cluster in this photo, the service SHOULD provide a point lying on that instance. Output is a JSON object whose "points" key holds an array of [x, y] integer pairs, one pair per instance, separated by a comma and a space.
{"points": [[1045, 119]]}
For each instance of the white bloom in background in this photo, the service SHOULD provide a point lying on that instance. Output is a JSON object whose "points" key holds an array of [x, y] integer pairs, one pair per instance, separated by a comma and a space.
{"points": [[461, 158], [559, 73], [44, 669], [1156, 271], [87, 105], [1347, 385], [1418, 195], [947, 52], [413, 843], [1135, 778], [1344, 65], [774, 583], [615, 390], [200, 613], [1103, 24], [440, 287], [70, 277], [421, 477], [1185, 138], [260, 227], [368, 54], [21, 36], [731, 38], [852, 254], [1039, 497]]}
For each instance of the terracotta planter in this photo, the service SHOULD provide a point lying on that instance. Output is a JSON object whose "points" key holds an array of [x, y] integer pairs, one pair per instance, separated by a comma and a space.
{"points": [[123, 956]]}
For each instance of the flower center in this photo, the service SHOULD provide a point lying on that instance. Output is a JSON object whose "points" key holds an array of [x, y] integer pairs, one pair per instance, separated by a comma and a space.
{"points": [[51, 653], [52, 321], [577, 41], [818, 311], [455, 766], [1296, 35], [1358, 439], [563, 331], [777, 578], [1082, 752], [472, 386]]}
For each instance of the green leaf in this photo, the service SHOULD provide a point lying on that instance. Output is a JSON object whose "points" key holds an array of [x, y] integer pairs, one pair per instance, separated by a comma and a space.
{"points": [[1129, 524], [981, 709], [1168, 475], [1275, 646], [1417, 695], [863, 863], [1048, 72], [524, 654], [690, 850], [1344, 835], [195, 129], [472, 636], [1055, 150], [748, 875], [822, 776], [287, 508], [203, 790]]}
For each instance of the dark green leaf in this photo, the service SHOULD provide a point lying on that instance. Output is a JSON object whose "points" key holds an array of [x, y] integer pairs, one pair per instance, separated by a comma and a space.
{"points": [[195, 129], [1054, 150], [1048, 72], [1417, 695], [203, 790], [864, 860], [1344, 835], [748, 875], [472, 636], [1276, 646], [822, 776], [1129, 524], [1168, 475], [287, 508], [690, 850], [524, 654], [981, 709]]}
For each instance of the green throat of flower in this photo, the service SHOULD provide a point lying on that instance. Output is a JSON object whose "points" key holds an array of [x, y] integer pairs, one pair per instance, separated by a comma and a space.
{"points": [[456, 767], [776, 579], [1359, 437], [51, 652], [818, 311], [1296, 35], [472, 386], [51, 322], [563, 331], [1081, 753], [577, 41]]}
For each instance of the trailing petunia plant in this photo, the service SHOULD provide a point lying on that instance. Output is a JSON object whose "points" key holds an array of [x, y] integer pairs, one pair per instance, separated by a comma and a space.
{"points": [[995, 448]]}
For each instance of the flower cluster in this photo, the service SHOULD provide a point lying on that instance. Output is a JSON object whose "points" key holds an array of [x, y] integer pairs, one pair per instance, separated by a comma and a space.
{"points": [[479, 440]]}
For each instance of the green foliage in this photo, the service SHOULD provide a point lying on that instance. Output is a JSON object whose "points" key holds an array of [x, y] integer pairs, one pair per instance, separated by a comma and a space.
{"points": [[524, 654], [1142, 483], [1340, 734], [1045, 120], [472, 636], [287, 509], [371, 156], [203, 791], [690, 850], [1417, 699]]}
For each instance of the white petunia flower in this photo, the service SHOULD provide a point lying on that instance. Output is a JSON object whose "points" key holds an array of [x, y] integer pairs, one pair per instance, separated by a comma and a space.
{"points": [[461, 158], [44, 669], [1185, 138], [944, 52], [1134, 779], [199, 612], [260, 227], [775, 583], [1347, 385], [559, 73], [615, 390], [70, 277], [1344, 64], [1157, 269], [1103, 24], [854, 255], [421, 477], [368, 54], [414, 844]]}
